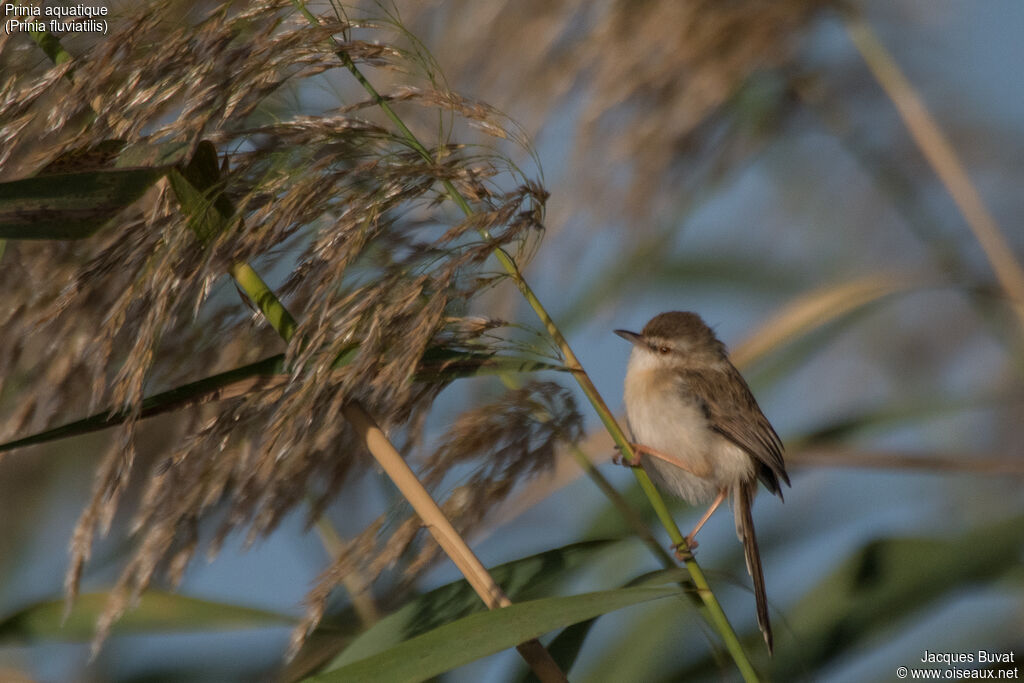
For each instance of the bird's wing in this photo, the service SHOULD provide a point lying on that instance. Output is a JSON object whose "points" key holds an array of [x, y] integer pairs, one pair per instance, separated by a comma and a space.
{"points": [[733, 412]]}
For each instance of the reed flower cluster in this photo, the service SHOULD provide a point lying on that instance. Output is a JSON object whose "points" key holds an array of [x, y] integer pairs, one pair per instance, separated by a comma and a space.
{"points": [[381, 276]]}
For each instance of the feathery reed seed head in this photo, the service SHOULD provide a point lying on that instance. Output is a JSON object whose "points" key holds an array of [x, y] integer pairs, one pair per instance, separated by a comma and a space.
{"points": [[377, 262]]}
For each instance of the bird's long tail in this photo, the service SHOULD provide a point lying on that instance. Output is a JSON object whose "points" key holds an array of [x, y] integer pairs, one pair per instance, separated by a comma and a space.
{"points": [[745, 530]]}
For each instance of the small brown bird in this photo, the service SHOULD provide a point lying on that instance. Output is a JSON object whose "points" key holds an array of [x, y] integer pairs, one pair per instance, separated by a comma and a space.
{"points": [[691, 412]]}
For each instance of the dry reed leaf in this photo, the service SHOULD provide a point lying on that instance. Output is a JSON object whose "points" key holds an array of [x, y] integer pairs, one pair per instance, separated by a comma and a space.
{"points": [[819, 307]]}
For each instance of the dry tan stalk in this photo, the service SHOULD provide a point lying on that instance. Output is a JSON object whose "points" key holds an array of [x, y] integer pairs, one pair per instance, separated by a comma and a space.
{"points": [[362, 600], [819, 307], [535, 655], [974, 463], [936, 148]]}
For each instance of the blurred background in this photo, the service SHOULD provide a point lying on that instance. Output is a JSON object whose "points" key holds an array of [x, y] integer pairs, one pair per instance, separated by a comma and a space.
{"points": [[744, 160]]}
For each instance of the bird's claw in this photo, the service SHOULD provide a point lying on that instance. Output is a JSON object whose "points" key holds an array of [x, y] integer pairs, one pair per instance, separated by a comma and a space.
{"points": [[684, 550], [619, 459]]}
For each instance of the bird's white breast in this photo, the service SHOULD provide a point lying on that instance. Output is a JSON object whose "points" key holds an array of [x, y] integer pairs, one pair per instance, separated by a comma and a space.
{"points": [[664, 416]]}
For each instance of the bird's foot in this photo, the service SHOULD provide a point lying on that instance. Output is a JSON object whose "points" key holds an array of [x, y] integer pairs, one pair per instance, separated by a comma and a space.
{"points": [[620, 459], [684, 551]]}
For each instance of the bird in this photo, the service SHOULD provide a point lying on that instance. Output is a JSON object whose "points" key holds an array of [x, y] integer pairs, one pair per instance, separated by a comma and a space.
{"points": [[698, 431]]}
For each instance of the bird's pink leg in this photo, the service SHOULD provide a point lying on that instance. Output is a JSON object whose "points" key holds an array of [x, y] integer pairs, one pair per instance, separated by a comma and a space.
{"points": [[691, 544], [641, 449]]}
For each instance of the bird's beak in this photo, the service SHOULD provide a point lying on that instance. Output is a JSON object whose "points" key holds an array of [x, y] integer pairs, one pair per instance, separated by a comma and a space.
{"points": [[631, 337]]}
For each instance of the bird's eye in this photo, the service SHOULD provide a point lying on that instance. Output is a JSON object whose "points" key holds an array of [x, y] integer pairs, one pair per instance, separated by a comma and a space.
{"points": [[663, 350]]}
